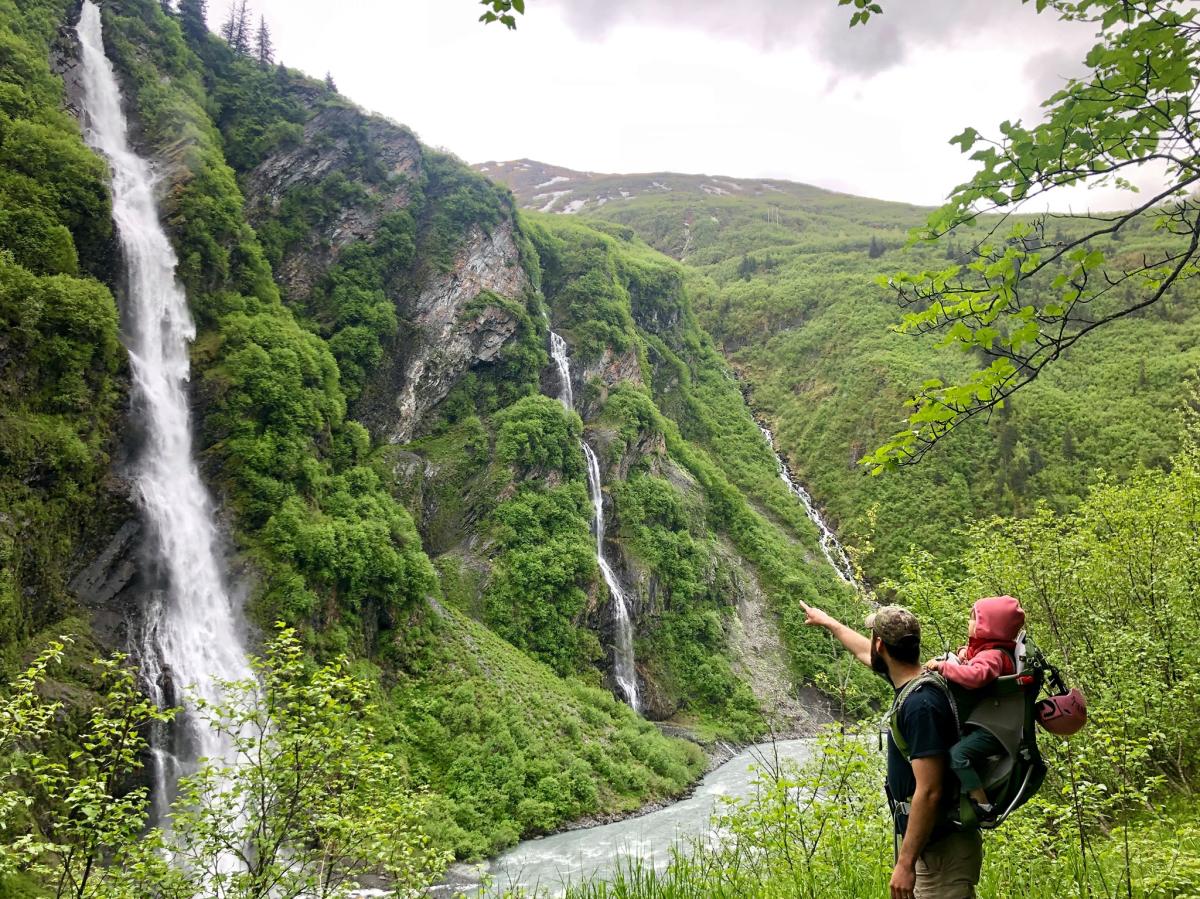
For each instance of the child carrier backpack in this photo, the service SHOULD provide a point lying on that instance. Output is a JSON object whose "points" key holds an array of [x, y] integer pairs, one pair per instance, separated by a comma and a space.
{"points": [[1007, 709]]}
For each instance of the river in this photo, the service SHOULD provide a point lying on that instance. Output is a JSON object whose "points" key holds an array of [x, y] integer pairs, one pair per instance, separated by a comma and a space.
{"points": [[591, 853]]}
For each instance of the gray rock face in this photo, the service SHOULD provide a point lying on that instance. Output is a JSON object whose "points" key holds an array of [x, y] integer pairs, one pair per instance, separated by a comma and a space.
{"points": [[438, 341], [112, 586], [64, 62], [331, 144], [445, 341], [610, 370]]}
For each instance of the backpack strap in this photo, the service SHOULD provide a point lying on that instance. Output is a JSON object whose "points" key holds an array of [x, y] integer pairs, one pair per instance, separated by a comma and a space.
{"points": [[963, 818], [932, 678]]}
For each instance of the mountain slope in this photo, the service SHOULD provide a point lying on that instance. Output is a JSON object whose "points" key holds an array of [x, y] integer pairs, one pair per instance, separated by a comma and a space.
{"points": [[784, 281], [372, 395]]}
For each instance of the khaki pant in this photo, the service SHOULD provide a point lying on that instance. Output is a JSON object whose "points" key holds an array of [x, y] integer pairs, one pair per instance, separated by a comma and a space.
{"points": [[949, 869]]}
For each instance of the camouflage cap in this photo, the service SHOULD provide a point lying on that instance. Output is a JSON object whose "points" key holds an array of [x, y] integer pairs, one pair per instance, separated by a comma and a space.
{"points": [[892, 624]]}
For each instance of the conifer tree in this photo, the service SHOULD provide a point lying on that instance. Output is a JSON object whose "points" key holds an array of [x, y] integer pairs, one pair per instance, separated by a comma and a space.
{"points": [[236, 29], [263, 48], [193, 18], [329, 82], [1068, 443]]}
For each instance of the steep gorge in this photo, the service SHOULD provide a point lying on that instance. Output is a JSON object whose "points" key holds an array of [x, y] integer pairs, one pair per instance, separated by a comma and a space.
{"points": [[373, 394]]}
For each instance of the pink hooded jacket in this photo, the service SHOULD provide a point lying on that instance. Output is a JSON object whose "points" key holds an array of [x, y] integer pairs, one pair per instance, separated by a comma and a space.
{"points": [[988, 655]]}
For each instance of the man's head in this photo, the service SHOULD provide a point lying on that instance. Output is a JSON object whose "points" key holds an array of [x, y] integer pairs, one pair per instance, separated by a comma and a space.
{"points": [[895, 635]]}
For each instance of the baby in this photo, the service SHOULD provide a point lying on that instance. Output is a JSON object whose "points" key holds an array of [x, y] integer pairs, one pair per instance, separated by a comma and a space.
{"points": [[991, 639]]}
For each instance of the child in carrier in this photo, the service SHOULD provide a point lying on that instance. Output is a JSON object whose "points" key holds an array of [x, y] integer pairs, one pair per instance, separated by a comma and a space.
{"points": [[991, 640]]}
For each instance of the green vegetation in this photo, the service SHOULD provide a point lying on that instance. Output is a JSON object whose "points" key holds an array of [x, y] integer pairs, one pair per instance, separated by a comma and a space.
{"points": [[1107, 590], [456, 571], [793, 305], [60, 362], [318, 510], [509, 748], [1023, 295], [308, 802], [669, 415]]}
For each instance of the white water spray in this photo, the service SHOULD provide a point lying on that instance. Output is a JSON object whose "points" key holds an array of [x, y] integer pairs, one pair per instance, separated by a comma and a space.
{"points": [[191, 639], [558, 352], [831, 547], [624, 669]]}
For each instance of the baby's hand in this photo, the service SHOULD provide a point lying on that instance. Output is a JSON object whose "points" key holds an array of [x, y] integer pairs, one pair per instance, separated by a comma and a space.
{"points": [[933, 665]]}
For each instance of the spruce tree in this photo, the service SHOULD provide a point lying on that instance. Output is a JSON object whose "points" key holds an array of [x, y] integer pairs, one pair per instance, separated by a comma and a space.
{"points": [[1068, 443], [241, 42], [228, 25], [263, 48], [236, 30], [193, 18], [329, 82]]}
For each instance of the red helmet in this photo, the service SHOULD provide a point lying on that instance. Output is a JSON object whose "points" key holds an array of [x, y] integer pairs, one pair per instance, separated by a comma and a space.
{"points": [[1063, 714]]}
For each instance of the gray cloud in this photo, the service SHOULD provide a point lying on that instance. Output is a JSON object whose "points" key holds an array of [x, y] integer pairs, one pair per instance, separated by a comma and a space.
{"points": [[1047, 72], [907, 26]]}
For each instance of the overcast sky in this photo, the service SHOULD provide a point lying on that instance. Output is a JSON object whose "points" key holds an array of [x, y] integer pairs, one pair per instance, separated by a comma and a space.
{"points": [[746, 88]]}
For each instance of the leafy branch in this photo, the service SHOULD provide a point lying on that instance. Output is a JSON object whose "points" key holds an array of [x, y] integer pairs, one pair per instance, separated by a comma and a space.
{"points": [[1022, 298], [502, 11]]}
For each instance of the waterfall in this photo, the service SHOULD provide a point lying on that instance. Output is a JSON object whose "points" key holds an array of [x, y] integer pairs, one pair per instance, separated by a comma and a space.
{"points": [[624, 670], [831, 547], [558, 352], [191, 637]]}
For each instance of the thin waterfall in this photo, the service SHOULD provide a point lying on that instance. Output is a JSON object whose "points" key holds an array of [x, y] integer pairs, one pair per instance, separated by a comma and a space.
{"points": [[191, 638], [624, 669], [558, 352], [831, 547]]}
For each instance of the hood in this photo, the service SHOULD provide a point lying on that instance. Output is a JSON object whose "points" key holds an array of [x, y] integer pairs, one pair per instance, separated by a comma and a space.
{"points": [[998, 620]]}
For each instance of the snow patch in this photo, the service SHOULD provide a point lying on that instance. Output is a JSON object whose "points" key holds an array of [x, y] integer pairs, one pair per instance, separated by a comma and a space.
{"points": [[600, 201], [557, 179], [772, 187], [573, 207], [484, 168], [554, 195], [659, 185], [626, 194], [714, 219], [714, 191]]}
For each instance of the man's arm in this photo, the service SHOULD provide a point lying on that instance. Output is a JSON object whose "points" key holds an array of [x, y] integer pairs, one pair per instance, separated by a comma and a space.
{"points": [[930, 773], [858, 645]]}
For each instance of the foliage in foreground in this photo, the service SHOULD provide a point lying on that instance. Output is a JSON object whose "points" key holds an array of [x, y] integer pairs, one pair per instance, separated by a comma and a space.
{"points": [[1110, 592], [304, 802], [822, 830], [1022, 297]]}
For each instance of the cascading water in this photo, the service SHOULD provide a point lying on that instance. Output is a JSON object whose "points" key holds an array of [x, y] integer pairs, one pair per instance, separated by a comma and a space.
{"points": [[192, 638], [831, 547], [623, 663], [624, 670], [558, 352]]}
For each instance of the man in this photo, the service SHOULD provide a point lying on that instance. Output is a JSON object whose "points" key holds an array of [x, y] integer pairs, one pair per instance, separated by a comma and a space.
{"points": [[935, 860]]}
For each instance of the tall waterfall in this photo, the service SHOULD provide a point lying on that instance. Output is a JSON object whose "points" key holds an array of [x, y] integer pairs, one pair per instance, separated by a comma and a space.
{"points": [[624, 671], [192, 638], [831, 547]]}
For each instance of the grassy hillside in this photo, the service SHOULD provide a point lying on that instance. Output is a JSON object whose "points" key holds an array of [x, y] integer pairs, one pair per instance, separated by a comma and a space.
{"points": [[783, 278]]}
